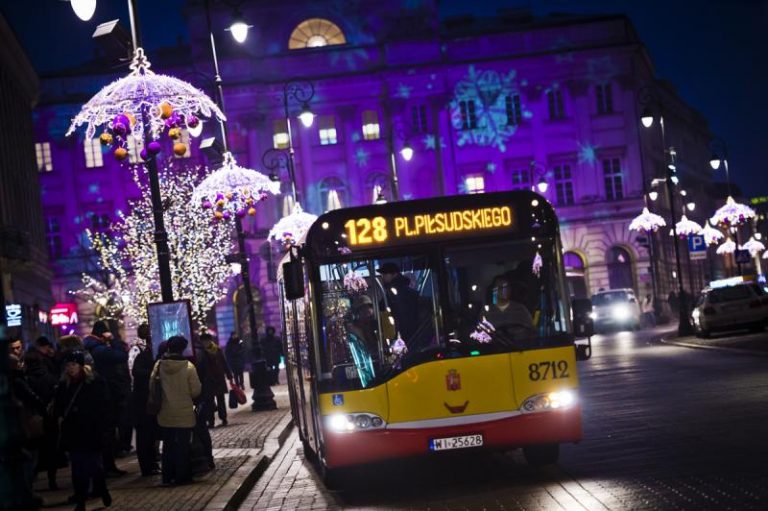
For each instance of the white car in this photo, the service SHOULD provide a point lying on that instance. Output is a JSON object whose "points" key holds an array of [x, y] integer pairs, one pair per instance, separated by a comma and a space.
{"points": [[742, 305], [615, 308]]}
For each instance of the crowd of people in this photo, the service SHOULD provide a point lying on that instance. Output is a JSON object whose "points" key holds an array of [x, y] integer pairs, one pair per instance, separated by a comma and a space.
{"points": [[82, 401]]}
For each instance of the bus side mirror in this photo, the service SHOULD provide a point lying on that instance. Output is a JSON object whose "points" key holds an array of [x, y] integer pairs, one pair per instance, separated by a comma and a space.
{"points": [[584, 351], [293, 279]]}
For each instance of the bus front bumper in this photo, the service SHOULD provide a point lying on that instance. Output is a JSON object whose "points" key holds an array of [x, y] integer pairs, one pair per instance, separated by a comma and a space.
{"points": [[359, 447]]}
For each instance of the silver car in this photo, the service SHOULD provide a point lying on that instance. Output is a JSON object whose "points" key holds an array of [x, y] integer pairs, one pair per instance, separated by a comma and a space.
{"points": [[743, 305], [615, 308]]}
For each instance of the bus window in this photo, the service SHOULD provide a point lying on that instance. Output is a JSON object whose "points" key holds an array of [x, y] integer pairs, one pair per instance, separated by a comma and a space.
{"points": [[375, 313], [507, 295]]}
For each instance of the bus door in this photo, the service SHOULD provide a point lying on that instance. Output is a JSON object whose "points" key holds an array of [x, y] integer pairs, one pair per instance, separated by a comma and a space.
{"points": [[304, 373], [294, 366]]}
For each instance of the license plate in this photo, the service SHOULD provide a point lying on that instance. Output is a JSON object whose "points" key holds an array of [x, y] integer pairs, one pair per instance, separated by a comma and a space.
{"points": [[455, 442]]}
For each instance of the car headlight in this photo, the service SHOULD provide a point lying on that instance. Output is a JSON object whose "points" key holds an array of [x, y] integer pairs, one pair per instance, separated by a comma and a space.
{"points": [[593, 315], [621, 312], [550, 401], [342, 423]]}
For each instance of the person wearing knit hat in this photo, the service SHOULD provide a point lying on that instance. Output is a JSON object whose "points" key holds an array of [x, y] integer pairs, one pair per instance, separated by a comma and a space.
{"points": [[78, 406]]}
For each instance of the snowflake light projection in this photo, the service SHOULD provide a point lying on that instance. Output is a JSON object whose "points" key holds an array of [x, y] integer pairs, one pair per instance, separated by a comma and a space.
{"points": [[732, 213], [753, 246], [646, 222], [361, 157], [168, 102], [488, 90], [403, 91], [198, 246], [234, 190], [685, 227], [430, 143], [728, 247], [290, 229], [711, 236], [587, 153]]}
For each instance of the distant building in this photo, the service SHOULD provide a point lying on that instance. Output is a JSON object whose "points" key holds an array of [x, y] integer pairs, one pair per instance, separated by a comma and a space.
{"points": [[478, 100], [25, 279]]}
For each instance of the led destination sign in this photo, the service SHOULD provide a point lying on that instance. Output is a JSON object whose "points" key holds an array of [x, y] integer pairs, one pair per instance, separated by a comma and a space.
{"points": [[425, 226]]}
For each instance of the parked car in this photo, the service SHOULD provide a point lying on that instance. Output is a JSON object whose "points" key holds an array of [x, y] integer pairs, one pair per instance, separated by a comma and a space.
{"points": [[615, 308], [742, 305]]}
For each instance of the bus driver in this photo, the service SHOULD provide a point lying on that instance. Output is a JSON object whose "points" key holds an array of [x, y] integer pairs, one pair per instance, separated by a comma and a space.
{"points": [[510, 317]]}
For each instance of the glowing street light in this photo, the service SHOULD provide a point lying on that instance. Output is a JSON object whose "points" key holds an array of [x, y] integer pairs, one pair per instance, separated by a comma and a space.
{"points": [[407, 152], [84, 9], [239, 30]]}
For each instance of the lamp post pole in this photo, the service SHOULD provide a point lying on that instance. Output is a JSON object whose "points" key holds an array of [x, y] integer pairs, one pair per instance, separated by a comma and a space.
{"points": [[263, 397], [161, 235], [684, 326], [301, 91], [393, 161], [720, 156]]}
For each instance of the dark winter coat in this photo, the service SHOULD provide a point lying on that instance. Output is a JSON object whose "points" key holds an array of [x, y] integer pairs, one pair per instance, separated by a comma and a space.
{"points": [[272, 349], [404, 303], [83, 423], [142, 369], [110, 362], [42, 374], [215, 371], [235, 352]]}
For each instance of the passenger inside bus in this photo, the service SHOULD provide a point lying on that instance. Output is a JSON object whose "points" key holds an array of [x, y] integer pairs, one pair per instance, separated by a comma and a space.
{"points": [[506, 313], [403, 302], [362, 338]]}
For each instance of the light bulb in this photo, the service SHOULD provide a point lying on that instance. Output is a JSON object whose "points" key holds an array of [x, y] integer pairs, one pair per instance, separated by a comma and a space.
{"points": [[407, 152], [306, 116], [84, 9], [239, 31]]}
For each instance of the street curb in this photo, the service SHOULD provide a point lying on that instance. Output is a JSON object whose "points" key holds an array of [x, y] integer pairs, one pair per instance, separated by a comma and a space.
{"points": [[248, 474], [735, 351]]}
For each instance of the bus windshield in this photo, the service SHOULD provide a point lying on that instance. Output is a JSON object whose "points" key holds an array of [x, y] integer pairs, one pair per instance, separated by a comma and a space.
{"points": [[381, 316]]}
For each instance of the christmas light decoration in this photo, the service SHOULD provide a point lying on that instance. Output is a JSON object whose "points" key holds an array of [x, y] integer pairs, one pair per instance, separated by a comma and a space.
{"points": [[290, 230], [167, 101], [537, 264], [753, 246], [198, 246], [685, 227], [732, 213], [646, 222], [711, 236], [234, 190], [354, 282], [728, 247]]}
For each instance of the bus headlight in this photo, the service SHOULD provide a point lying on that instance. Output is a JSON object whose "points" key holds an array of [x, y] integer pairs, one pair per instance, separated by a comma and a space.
{"points": [[551, 401], [342, 423]]}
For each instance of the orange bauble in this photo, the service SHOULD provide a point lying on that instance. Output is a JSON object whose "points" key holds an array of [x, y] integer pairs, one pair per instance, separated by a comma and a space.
{"points": [[121, 153], [179, 149], [252, 211], [165, 110], [174, 133], [219, 215]]}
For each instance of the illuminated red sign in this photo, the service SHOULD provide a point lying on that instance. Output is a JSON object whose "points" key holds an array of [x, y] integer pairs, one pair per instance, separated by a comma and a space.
{"points": [[64, 314]]}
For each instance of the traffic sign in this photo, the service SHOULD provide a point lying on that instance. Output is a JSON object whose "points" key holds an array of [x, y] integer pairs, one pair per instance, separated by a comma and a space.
{"points": [[697, 247]]}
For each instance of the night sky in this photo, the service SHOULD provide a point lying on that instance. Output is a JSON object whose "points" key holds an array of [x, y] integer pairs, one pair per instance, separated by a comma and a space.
{"points": [[713, 51]]}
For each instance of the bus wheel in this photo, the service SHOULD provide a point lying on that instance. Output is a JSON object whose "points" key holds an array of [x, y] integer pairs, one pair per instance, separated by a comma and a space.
{"points": [[541, 455], [331, 477]]}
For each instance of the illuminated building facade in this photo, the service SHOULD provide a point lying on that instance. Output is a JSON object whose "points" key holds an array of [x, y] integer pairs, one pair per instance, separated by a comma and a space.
{"points": [[477, 100]]}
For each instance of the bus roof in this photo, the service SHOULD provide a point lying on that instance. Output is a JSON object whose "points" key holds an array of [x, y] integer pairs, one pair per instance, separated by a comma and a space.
{"points": [[517, 214]]}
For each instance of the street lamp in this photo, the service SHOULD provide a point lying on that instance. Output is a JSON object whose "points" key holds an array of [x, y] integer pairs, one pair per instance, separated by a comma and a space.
{"points": [[84, 9], [537, 170], [263, 397], [720, 156], [649, 100], [399, 130]]}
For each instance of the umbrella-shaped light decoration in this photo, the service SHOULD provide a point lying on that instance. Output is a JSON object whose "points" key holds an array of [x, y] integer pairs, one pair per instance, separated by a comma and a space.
{"points": [[290, 229], [234, 190], [168, 103], [728, 247], [711, 235], [753, 246], [647, 222], [732, 213], [685, 227]]}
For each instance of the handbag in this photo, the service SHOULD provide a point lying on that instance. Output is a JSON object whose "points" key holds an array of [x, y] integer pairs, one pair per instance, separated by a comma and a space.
{"points": [[155, 398], [239, 393], [233, 399]]}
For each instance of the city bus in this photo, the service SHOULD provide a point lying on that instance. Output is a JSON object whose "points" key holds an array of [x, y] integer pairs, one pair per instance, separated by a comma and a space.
{"points": [[429, 326]]}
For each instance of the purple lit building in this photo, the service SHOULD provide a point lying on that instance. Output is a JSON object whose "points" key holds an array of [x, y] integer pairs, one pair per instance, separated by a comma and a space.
{"points": [[477, 100]]}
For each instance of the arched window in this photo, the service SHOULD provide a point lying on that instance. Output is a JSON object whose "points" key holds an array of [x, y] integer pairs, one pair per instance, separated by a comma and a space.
{"points": [[314, 33], [333, 194], [619, 268], [378, 185], [575, 274]]}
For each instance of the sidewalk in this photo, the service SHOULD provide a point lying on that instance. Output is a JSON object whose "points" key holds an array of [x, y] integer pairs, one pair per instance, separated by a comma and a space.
{"points": [[242, 450], [740, 343]]}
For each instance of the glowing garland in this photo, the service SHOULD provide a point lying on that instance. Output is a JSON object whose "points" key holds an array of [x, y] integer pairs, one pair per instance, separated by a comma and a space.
{"points": [[647, 222], [290, 229], [685, 227], [711, 236], [753, 246], [728, 247]]}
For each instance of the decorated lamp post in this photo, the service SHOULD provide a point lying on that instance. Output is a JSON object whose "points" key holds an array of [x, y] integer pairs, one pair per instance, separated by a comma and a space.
{"points": [[730, 216], [647, 98], [146, 106], [232, 192]]}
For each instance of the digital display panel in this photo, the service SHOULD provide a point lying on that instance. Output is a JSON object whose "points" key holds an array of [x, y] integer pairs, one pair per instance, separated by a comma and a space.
{"points": [[421, 227], [169, 319]]}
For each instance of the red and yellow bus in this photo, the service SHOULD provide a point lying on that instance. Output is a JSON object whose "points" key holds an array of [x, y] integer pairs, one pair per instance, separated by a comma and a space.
{"points": [[418, 327]]}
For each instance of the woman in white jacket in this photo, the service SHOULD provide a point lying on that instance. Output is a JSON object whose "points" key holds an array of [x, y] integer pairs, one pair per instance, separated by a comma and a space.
{"points": [[180, 386]]}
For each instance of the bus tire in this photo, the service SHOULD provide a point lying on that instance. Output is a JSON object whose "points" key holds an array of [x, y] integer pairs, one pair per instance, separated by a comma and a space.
{"points": [[541, 455], [332, 477]]}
